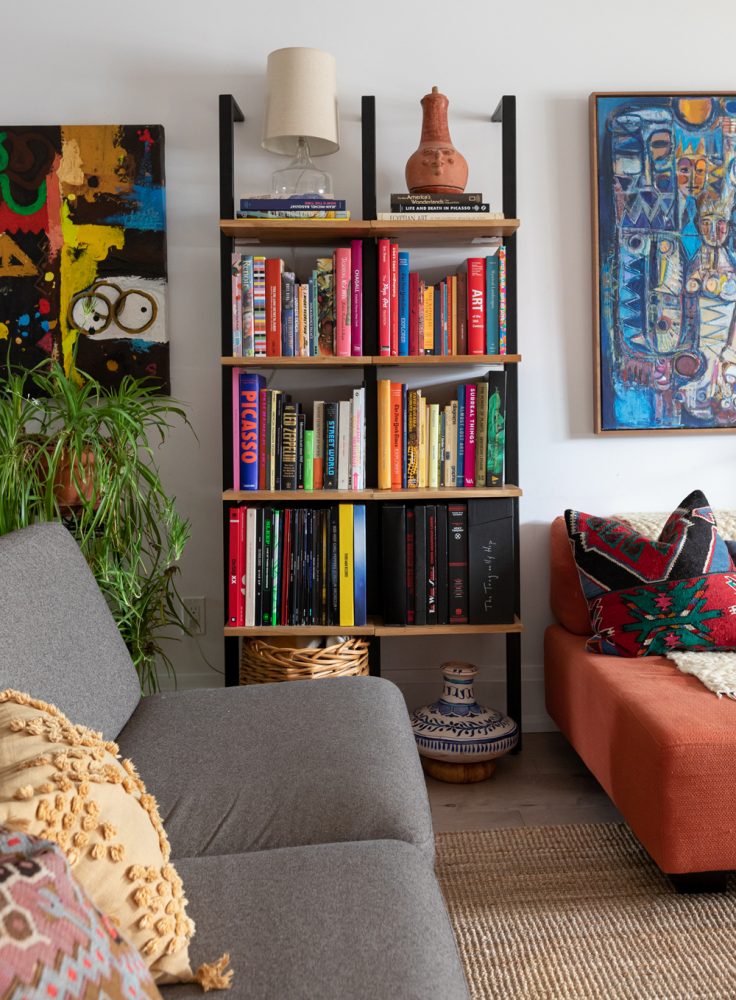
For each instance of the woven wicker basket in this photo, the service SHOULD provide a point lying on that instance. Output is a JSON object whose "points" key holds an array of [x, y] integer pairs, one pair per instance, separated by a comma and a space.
{"points": [[263, 662]]}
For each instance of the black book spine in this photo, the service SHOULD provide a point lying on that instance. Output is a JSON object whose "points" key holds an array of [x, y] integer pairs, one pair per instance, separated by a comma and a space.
{"points": [[491, 561], [430, 200], [393, 542], [324, 523], [267, 589], [420, 565], [289, 447], [431, 564], [309, 517], [334, 573], [330, 473], [301, 419], [292, 515], [302, 570], [457, 552], [259, 566], [442, 602], [281, 402], [410, 567]]}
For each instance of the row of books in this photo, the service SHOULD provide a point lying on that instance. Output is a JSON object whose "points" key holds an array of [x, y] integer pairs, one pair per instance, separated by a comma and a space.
{"points": [[426, 206], [460, 444], [297, 566], [275, 449], [296, 207], [448, 563], [275, 315], [464, 313]]}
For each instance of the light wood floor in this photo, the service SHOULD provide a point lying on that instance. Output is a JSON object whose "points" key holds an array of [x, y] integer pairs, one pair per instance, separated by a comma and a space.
{"points": [[544, 785]]}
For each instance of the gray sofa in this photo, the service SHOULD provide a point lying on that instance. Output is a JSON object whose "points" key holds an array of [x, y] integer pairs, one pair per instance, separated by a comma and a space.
{"points": [[297, 813]]}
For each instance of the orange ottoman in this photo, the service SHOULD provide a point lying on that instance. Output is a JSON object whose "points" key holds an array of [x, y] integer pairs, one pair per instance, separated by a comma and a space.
{"points": [[661, 745]]}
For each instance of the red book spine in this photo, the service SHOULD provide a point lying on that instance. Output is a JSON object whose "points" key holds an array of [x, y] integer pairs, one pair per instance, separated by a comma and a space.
{"points": [[384, 298], [240, 567], [410, 600], [273, 307], [476, 299], [420, 318], [397, 435], [232, 565], [342, 302], [262, 421], [394, 298], [470, 430], [413, 313]]}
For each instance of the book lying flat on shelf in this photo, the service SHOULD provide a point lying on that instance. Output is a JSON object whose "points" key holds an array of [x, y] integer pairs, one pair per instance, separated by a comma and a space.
{"points": [[437, 215]]}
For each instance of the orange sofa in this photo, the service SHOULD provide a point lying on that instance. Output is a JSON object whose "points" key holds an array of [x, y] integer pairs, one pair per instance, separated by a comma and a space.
{"points": [[662, 746]]}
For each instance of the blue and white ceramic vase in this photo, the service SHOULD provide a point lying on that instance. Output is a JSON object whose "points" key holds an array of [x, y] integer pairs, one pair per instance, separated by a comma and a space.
{"points": [[456, 728]]}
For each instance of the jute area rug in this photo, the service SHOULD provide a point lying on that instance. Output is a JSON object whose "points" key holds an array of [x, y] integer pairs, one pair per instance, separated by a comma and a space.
{"points": [[581, 912]]}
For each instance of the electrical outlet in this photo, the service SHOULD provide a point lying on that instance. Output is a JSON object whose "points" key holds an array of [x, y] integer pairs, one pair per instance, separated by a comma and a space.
{"points": [[194, 614]]}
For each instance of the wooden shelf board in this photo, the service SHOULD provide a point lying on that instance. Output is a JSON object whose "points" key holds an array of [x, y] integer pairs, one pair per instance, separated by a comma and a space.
{"points": [[412, 630], [363, 496], [448, 359], [266, 630], [375, 628], [424, 360], [280, 232], [448, 493]]}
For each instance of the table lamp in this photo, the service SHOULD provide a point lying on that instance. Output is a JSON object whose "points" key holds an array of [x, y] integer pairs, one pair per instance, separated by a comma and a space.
{"points": [[301, 118]]}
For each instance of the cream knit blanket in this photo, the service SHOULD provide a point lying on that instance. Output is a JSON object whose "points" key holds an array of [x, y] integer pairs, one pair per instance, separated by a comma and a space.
{"points": [[717, 671]]}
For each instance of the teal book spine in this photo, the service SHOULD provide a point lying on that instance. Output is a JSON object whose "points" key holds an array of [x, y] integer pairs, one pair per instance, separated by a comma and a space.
{"points": [[492, 299]]}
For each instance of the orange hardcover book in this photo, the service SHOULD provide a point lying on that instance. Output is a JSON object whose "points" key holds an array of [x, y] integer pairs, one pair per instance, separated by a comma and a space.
{"points": [[384, 434], [397, 435], [274, 267], [429, 319]]}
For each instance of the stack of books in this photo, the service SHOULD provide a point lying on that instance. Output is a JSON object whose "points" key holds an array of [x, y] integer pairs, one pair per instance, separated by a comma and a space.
{"points": [[296, 207], [448, 563], [464, 313], [274, 448], [428, 445], [275, 315], [426, 207], [297, 566]]}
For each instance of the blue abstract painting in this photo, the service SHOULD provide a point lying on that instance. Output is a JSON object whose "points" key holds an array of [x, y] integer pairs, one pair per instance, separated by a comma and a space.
{"points": [[666, 260]]}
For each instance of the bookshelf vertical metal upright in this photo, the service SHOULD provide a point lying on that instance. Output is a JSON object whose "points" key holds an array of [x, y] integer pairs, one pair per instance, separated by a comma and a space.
{"points": [[438, 234]]}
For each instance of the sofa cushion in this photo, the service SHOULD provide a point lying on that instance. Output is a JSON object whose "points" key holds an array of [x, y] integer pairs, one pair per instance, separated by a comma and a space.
{"points": [[54, 942], [335, 921], [58, 639], [565, 596], [279, 765], [62, 782], [649, 596]]}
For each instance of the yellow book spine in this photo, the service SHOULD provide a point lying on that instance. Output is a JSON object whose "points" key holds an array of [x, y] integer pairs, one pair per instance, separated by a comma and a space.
{"points": [[345, 543], [422, 443], [429, 319], [384, 434], [434, 445]]}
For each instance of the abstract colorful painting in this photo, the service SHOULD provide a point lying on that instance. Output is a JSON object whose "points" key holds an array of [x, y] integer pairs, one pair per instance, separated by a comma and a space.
{"points": [[83, 249], [665, 260]]}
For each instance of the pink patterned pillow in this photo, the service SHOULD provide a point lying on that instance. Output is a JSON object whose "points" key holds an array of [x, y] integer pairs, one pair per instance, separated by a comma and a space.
{"points": [[53, 942]]}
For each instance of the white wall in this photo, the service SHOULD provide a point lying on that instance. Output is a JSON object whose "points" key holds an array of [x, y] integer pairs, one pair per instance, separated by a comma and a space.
{"points": [[166, 61]]}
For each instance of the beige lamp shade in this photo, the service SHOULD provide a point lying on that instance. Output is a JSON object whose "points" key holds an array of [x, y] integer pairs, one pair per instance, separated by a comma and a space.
{"points": [[302, 101]]}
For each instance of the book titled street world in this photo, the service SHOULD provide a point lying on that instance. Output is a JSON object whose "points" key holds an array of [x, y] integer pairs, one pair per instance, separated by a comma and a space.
{"points": [[423, 207]]}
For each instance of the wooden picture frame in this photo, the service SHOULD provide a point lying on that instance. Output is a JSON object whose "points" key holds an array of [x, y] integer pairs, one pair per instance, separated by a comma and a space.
{"points": [[663, 180]]}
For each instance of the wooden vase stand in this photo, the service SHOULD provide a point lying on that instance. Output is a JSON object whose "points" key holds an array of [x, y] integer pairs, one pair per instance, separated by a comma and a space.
{"points": [[458, 773]]}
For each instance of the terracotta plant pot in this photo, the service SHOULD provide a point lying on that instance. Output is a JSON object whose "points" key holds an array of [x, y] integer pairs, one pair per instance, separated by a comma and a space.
{"points": [[72, 486], [436, 166]]}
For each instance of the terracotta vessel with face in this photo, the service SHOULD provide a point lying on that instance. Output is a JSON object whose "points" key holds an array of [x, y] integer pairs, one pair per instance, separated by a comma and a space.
{"points": [[436, 166]]}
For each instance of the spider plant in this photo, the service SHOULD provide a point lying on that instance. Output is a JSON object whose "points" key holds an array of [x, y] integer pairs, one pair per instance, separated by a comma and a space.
{"points": [[57, 429]]}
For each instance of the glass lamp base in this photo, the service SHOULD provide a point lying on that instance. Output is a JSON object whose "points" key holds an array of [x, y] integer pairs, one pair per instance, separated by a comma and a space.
{"points": [[301, 177]]}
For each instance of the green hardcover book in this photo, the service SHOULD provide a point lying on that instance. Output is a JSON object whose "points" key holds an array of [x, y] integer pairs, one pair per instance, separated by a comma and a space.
{"points": [[325, 306], [278, 534], [496, 428], [308, 460], [481, 445]]}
